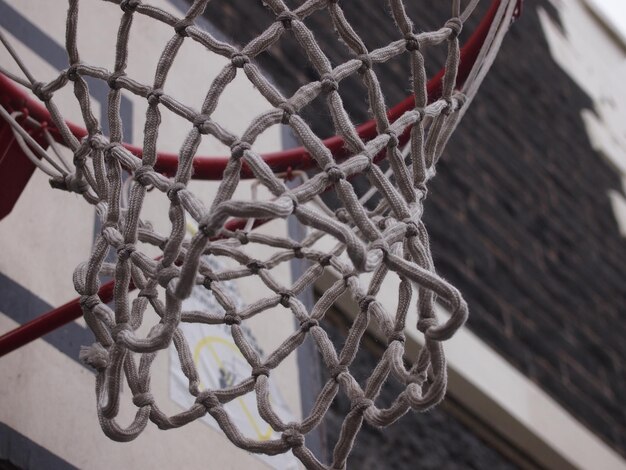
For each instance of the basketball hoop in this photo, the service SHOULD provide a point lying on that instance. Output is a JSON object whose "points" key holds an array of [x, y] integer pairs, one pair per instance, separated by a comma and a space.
{"points": [[374, 243]]}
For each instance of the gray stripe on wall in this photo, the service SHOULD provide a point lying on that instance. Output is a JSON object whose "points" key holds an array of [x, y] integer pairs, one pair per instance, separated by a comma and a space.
{"points": [[23, 453], [21, 305]]}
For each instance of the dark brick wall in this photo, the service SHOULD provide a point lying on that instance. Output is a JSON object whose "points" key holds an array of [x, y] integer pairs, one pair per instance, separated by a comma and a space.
{"points": [[518, 214]]}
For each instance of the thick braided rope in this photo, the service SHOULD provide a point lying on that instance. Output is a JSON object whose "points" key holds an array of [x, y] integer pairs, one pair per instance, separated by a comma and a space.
{"points": [[390, 238]]}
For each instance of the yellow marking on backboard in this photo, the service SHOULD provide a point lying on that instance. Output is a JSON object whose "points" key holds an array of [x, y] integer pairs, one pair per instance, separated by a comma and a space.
{"points": [[208, 342]]}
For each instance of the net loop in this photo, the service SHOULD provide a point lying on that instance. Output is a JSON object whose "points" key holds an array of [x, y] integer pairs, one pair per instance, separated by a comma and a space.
{"points": [[112, 81], [365, 302], [337, 370], [119, 332], [292, 436], [142, 175], [129, 6], [143, 399], [285, 299], [334, 173], [288, 111], [72, 72], [361, 404], [238, 148], [154, 96], [166, 274], [70, 182], [174, 189], [366, 63], [260, 370], [412, 42], [307, 324], [255, 266], [181, 27], [329, 84], [208, 399], [89, 302], [397, 336], [124, 252], [411, 228], [286, 18], [38, 88], [239, 60], [393, 138], [95, 356], [232, 319], [455, 25]]}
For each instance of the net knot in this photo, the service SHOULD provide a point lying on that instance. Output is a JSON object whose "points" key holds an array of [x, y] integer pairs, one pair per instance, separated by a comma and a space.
{"points": [[208, 399], [412, 42], [292, 436], [337, 370], [119, 331], [334, 173], [72, 72], [232, 319], [325, 260], [129, 6], [342, 215], [365, 302], [329, 84], [288, 111], [307, 324], [239, 59], [95, 356], [124, 252], [172, 192], [411, 228], [165, 275], [200, 122], [38, 89], [393, 138], [112, 80], [361, 404], [242, 236], [348, 276], [89, 302], [455, 25], [207, 282], [70, 182], [260, 370], [397, 336], [148, 293], [286, 17], [154, 97], [255, 266], [297, 252], [285, 299], [142, 173], [424, 324], [366, 63], [181, 27], [143, 399], [238, 148]]}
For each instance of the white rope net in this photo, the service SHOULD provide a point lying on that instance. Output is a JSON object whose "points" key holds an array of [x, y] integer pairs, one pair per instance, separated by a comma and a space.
{"points": [[387, 239]]}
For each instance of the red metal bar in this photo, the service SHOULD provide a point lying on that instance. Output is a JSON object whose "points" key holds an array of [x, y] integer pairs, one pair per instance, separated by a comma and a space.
{"points": [[207, 168]]}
